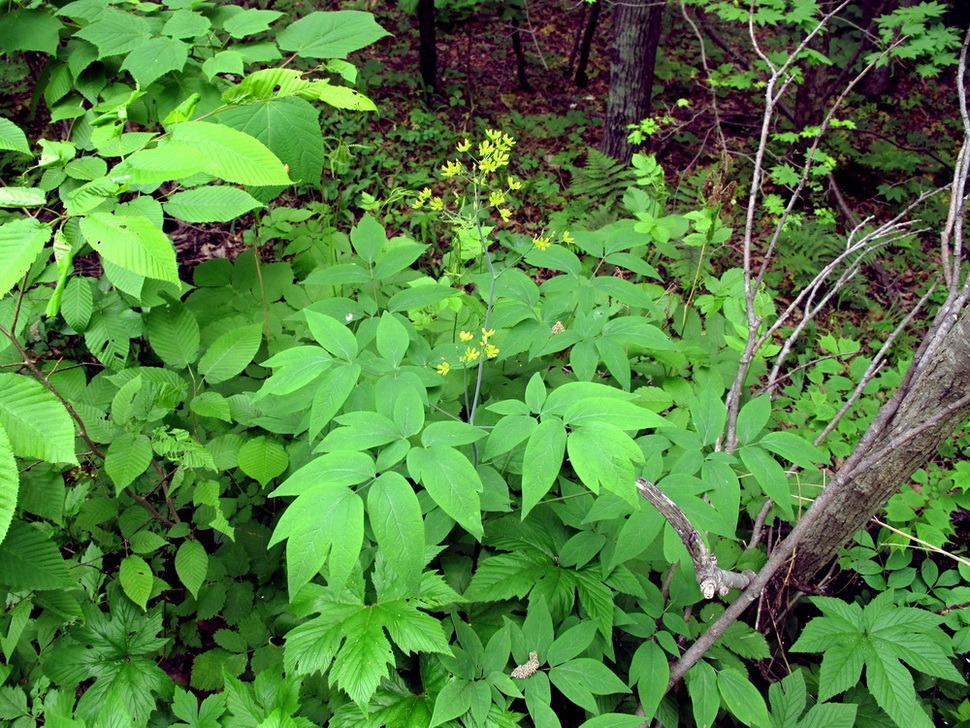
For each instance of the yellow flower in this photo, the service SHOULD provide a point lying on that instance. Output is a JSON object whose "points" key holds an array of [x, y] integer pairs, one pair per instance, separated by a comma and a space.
{"points": [[514, 184], [491, 351], [567, 238], [470, 354], [541, 242], [465, 335], [505, 213], [452, 169], [487, 334], [423, 196], [437, 204], [464, 146], [496, 198], [443, 368]]}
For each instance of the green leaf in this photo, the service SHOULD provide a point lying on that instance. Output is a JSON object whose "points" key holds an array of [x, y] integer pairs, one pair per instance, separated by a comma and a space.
{"points": [[769, 475], [37, 424], [250, 22], [602, 456], [794, 448], [128, 456], [192, 565], [12, 138], [335, 468], [571, 643], [411, 299], [115, 32], [22, 197], [290, 128], [542, 462], [185, 23], [211, 203], [451, 433], [30, 561], [21, 241], [454, 700], [326, 519], [709, 414], [617, 412], [295, 368], [9, 483], [136, 579], [262, 459], [230, 353], [30, 30], [332, 335], [613, 720], [392, 339], [451, 481], [395, 517], [231, 154], [132, 243], [891, 684], [742, 698], [580, 678], [752, 419], [342, 97], [651, 671], [173, 334], [77, 303], [330, 34], [369, 238], [701, 682], [333, 390], [155, 57]]}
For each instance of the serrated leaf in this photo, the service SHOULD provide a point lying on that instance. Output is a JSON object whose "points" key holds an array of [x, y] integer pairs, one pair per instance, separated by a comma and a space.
{"points": [[115, 32], [342, 97], [173, 334], [21, 241], [22, 197], [290, 128], [211, 203], [192, 565], [132, 243], [155, 57], [9, 484], [77, 303], [262, 459], [230, 353], [136, 579], [330, 34], [232, 155], [12, 138], [30, 561], [37, 424], [211, 404], [128, 456]]}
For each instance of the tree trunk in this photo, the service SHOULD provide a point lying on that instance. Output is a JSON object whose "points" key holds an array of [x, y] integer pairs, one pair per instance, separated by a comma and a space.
{"points": [[427, 45], [582, 79], [636, 35], [927, 412]]}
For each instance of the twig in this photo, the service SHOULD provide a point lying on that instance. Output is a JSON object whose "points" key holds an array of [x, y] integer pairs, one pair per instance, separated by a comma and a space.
{"points": [[710, 577]]}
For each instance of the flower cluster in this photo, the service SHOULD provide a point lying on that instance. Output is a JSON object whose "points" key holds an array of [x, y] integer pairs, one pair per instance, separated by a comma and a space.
{"points": [[474, 351]]}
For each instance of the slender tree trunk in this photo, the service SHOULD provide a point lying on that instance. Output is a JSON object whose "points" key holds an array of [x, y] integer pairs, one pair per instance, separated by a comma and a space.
{"points": [[520, 63], [427, 45], [920, 418], [636, 36], [582, 79]]}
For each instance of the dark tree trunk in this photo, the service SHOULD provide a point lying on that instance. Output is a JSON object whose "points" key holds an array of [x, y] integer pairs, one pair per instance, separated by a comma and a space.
{"points": [[636, 35], [922, 416], [581, 78], [520, 63], [427, 45]]}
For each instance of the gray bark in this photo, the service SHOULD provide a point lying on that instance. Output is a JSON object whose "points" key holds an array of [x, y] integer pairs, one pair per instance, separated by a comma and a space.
{"points": [[636, 36], [923, 415]]}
